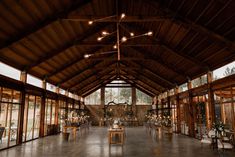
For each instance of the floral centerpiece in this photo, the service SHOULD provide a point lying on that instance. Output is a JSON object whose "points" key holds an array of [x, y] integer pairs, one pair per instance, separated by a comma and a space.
{"points": [[218, 127]]}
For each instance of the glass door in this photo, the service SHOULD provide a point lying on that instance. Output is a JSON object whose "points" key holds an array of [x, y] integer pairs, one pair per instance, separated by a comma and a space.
{"points": [[9, 117]]}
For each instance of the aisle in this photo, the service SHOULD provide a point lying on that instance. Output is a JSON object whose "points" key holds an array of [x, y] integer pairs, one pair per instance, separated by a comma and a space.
{"points": [[138, 143]]}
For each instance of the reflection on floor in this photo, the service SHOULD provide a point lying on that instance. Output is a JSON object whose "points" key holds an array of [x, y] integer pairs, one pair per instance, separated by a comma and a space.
{"points": [[95, 144]]}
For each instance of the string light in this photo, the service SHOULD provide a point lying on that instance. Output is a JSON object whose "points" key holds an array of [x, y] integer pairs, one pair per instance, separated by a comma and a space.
{"points": [[115, 46]]}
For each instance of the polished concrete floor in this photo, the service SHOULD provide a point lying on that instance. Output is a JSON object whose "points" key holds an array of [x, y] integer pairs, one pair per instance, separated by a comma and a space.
{"points": [[138, 143]]}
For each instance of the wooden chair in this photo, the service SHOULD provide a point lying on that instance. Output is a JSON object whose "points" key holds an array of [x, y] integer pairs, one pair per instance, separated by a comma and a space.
{"points": [[2, 129], [207, 139], [224, 145]]}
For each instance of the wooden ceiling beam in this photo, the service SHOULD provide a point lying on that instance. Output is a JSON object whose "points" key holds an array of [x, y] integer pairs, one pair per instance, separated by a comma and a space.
{"points": [[74, 85], [143, 88], [89, 67], [66, 46], [174, 52], [85, 82], [161, 62], [147, 69], [113, 18], [187, 23], [140, 76], [86, 93], [136, 44], [48, 20], [94, 86], [70, 64], [141, 72]]}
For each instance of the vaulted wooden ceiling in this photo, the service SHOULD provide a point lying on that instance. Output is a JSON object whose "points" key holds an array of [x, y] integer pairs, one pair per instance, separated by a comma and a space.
{"points": [[49, 39]]}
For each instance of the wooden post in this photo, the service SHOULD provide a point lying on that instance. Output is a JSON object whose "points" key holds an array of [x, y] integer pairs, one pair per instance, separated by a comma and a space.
{"points": [[178, 110], [168, 103], [157, 103], [191, 111], [57, 106], [232, 109], [211, 101], [23, 78], [102, 90], [134, 107], [42, 112]]}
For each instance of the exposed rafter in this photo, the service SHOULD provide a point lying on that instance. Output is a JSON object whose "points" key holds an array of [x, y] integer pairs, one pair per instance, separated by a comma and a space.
{"points": [[141, 77], [90, 67], [173, 52], [70, 64], [147, 69], [96, 86], [82, 18], [140, 87], [187, 23], [32, 29], [160, 61], [81, 82], [67, 45]]}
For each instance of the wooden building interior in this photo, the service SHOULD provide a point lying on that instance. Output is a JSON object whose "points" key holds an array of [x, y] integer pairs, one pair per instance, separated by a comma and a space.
{"points": [[166, 49]]}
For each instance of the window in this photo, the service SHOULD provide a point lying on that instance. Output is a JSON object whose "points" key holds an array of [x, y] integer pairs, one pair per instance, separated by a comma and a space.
{"points": [[183, 87], [118, 95], [172, 92], [9, 71], [70, 95], [34, 81], [199, 81], [94, 98], [61, 91], [224, 71], [142, 98], [51, 87]]}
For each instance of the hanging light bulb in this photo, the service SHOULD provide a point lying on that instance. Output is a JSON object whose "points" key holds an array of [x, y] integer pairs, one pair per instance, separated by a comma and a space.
{"points": [[99, 38], [87, 55], [115, 46], [90, 22], [123, 16], [149, 33], [132, 34], [105, 33], [124, 39]]}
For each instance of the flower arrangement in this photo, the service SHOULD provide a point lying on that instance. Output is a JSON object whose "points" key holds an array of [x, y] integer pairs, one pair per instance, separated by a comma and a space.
{"points": [[218, 127]]}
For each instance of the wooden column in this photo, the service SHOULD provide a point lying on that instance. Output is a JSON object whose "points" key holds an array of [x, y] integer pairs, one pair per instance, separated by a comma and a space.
{"points": [[57, 106], [211, 101], [42, 112], [178, 109], [23, 78], [134, 107], [232, 108], [168, 102], [191, 111], [157, 108]]}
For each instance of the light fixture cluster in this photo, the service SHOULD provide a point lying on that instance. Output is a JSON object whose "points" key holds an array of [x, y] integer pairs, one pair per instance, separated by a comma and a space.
{"points": [[103, 34], [123, 39]]}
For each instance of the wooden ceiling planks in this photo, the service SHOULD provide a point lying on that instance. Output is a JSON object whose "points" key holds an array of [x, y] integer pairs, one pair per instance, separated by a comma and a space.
{"points": [[36, 36]]}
